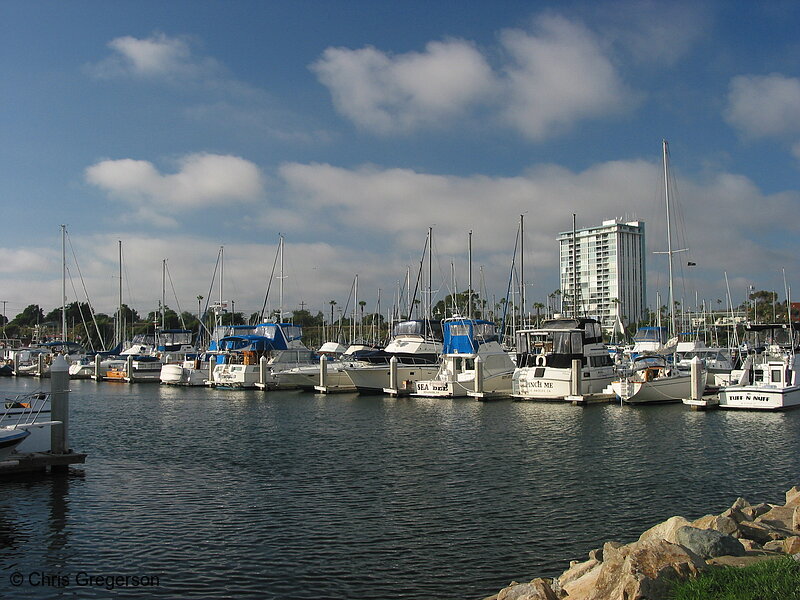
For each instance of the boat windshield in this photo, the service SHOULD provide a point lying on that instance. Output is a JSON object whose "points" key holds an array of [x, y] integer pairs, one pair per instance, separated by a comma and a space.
{"points": [[418, 328]]}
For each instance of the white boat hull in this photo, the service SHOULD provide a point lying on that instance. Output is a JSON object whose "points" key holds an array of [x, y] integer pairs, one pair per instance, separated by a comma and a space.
{"points": [[494, 385], [376, 379], [552, 383], [759, 398], [667, 389]]}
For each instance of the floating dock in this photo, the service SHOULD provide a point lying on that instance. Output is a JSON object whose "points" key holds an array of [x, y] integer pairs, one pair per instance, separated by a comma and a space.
{"points": [[40, 462]]}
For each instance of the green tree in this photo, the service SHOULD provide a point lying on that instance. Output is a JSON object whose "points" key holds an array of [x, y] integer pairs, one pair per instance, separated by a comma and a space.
{"points": [[30, 316]]}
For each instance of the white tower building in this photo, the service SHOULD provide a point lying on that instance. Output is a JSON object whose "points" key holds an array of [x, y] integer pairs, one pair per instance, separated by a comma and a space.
{"points": [[606, 266]]}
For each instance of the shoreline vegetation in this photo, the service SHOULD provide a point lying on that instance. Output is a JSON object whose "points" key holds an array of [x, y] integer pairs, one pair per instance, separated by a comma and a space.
{"points": [[716, 557]]}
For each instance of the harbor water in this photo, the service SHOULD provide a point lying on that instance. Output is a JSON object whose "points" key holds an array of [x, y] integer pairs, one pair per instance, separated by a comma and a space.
{"points": [[202, 493]]}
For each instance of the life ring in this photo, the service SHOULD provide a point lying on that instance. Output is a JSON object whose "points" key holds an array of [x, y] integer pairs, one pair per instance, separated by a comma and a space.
{"points": [[541, 360]]}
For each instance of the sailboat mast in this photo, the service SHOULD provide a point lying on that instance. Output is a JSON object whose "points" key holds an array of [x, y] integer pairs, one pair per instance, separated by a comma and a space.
{"points": [[63, 284], [163, 294], [673, 330], [469, 278], [522, 265], [120, 325], [280, 287]]}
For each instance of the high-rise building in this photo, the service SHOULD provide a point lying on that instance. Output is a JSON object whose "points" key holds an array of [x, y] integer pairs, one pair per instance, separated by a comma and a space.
{"points": [[607, 268]]}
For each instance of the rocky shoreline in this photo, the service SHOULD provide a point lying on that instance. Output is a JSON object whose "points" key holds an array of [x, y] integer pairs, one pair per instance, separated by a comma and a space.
{"points": [[673, 550]]}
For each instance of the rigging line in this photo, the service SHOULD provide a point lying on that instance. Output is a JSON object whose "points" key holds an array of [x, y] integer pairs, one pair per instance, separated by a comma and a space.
{"points": [[174, 293], [419, 275], [80, 309], [86, 293], [269, 286], [508, 289], [344, 311]]}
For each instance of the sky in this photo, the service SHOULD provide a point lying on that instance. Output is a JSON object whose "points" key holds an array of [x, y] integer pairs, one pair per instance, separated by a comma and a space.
{"points": [[351, 128]]}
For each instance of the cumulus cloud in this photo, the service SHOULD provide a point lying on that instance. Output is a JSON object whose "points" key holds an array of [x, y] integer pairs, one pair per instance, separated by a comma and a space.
{"points": [[764, 105], [347, 200], [553, 77], [390, 94], [202, 180], [158, 56], [559, 75]]}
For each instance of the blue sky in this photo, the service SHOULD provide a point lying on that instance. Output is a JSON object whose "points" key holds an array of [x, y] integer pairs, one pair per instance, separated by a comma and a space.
{"points": [[352, 127]]}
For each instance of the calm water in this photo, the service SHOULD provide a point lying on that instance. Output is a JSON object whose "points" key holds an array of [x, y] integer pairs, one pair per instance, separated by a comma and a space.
{"points": [[222, 494]]}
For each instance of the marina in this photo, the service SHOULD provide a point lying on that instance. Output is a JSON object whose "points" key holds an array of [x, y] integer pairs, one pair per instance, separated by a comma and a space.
{"points": [[293, 495]]}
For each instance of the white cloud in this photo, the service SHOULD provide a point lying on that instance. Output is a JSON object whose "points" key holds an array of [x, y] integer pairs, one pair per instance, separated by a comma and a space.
{"points": [[391, 94], [555, 77], [203, 180], [158, 56], [764, 105], [23, 261], [559, 75], [653, 32]]}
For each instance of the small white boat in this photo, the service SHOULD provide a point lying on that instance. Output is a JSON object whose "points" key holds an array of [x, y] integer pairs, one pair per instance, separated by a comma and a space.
{"points": [[770, 380], [24, 424], [416, 346], [650, 379], [466, 340], [10, 438]]}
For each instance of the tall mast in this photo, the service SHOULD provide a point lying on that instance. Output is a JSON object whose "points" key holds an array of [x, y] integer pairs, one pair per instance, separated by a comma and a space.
{"points": [[120, 325], [63, 284], [469, 278], [673, 330], [163, 294], [430, 273], [522, 265], [280, 280]]}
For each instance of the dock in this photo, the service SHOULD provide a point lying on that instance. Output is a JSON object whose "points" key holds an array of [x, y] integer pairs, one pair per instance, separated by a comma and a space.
{"points": [[60, 456], [40, 462]]}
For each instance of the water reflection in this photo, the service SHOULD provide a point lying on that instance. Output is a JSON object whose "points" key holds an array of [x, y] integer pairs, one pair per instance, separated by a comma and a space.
{"points": [[275, 495]]}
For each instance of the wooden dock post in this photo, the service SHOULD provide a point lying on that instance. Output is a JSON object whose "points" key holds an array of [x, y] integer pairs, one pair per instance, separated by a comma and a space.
{"points": [[97, 376]]}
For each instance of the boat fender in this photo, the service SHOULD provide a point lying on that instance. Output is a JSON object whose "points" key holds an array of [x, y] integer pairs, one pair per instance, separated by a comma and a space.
{"points": [[541, 360]]}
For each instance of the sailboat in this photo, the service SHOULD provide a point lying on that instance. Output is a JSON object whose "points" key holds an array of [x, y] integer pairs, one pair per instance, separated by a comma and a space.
{"points": [[653, 377]]}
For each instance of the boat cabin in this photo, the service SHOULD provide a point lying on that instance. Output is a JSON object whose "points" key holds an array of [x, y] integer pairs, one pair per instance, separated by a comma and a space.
{"points": [[560, 341]]}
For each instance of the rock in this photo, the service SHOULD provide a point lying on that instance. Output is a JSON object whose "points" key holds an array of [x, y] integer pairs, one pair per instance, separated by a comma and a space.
{"points": [[735, 514], [793, 497], [760, 532], [774, 546], [665, 530], [538, 589], [583, 587], [577, 571], [740, 503], [750, 545], [796, 519], [724, 525], [791, 545], [643, 570], [609, 549], [708, 543], [753, 512], [741, 561], [778, 516]]}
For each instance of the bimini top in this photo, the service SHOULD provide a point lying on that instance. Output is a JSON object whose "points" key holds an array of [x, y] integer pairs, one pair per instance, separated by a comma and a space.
{"points": [[463, 336], [261, 338], [68, 347]]}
